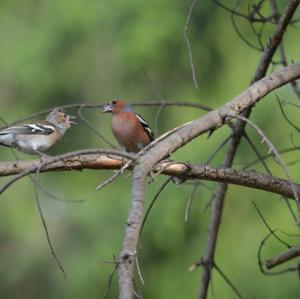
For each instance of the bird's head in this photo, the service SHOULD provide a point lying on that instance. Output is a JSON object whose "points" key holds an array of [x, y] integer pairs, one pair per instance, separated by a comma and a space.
{"points": [[116, 106], [60, 119]]}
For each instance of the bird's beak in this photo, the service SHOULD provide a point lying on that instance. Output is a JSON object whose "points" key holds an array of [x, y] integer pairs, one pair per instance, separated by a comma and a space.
{"points": [[71, 121], [107, 108]]}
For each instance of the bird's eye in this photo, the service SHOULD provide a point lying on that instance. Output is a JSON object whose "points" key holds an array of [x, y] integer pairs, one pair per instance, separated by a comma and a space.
{"points": [[114, 102]]}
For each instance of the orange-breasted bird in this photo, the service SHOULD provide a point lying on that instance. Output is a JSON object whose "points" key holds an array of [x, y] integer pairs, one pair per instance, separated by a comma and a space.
{"points": [[129, 128]]}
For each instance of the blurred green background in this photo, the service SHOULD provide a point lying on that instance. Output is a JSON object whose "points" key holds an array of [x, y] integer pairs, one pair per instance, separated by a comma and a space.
{"points": [[61, 52]]}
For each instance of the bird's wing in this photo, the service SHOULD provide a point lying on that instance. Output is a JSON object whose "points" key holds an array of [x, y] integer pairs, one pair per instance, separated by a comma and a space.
{"points": [[30, 129], [146, 127]]}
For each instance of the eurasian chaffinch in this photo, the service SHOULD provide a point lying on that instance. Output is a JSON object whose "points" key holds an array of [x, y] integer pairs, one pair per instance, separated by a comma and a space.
{"points": [[34, 138], [129, 128]]}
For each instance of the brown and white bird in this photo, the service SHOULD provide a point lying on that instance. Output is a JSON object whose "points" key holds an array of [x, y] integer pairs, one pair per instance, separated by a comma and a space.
{"points": [[35, 138], [129, 128]]}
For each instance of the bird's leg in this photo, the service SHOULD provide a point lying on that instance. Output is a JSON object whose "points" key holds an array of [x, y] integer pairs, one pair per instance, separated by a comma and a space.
{"points": [[42, 157]]}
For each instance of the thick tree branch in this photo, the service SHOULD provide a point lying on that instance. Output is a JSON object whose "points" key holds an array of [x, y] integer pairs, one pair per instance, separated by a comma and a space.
{"points": [[133, 226], [44, 162], [179, 138], [250, 179]]}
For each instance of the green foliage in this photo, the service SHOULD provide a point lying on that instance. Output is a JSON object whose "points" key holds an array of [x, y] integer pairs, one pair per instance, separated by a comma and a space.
{"points": [[59, 52]]}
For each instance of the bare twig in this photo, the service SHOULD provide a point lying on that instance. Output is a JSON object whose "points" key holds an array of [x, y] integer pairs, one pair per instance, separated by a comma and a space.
{"points": [[91, 127], [217, 150], [159, 97], [110, 279], [149, 81], [229, 282], [261, 264], [241, 36], [36, 185], [285, 116], [189, 203], [268, 226], [283, 257], [139, 269], [269, 155], [273, 150], [153, 202], [260, 158], [188, 44], [55, 197], [45, 111], [92, 106], [157, 116], [47, 232], [238, 14]]}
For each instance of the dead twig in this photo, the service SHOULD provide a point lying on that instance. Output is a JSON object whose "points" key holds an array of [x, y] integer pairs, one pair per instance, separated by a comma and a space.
{"points": [[188, 44]]}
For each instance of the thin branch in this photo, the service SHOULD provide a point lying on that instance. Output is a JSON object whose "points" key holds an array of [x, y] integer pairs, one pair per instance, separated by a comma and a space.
{"points": [[93, 106], [174, 104], [153, 202], [273, 150], [285, 116], [55, 197], [139, 269], [110, 279], [260, 158], [241, 36], [188, 44], [114, 176], [261, 264], [283, 257], [157, 116], [268, 226], [229, 282], [91, 127], [269, 155], [149, 81], [238, 14], [189, 203], [46, 111], [37, 201], [159, 97], [218, 149]]}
